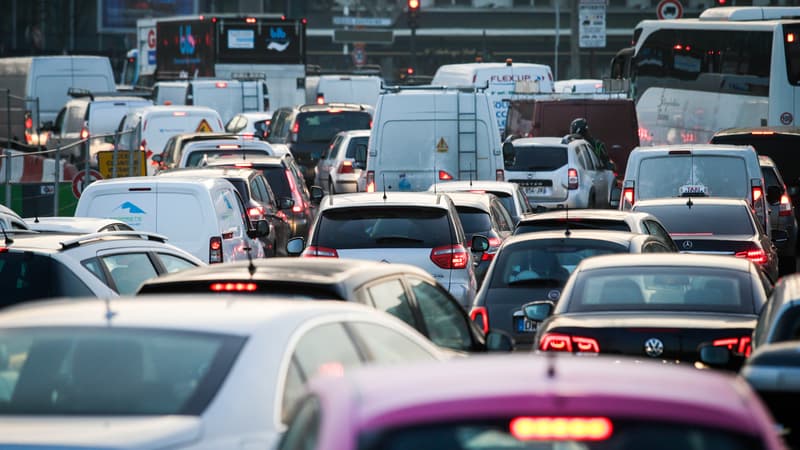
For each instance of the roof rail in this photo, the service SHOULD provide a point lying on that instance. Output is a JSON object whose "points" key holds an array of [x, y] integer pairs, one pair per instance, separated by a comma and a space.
{"points": [[75, 242], [433, 87]]}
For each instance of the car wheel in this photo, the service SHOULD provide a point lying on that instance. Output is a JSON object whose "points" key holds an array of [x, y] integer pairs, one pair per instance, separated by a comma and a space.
{"points": [[331, 190]]}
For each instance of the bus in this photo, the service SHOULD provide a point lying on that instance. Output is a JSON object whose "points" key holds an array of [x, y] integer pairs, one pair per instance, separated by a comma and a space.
{"points": [[731, 67]]}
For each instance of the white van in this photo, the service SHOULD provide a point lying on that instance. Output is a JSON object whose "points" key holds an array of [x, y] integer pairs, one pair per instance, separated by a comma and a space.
{"points": [[46, 78], [229, 97], [501, 79], [170, 92], [423, 135], [149, 128], [203, 216], [363, 89]]}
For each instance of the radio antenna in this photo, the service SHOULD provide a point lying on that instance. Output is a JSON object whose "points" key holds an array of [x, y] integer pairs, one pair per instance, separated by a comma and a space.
{"points": [[383, 176], [566, 222]]}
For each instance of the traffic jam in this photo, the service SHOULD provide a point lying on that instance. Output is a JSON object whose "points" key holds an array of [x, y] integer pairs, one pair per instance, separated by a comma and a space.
{"points": [[282, 256]]}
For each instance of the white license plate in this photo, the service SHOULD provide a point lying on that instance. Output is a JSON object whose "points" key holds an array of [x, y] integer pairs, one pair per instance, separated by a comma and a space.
{"points": [[538, 190], [693, 189], [524, 325]]}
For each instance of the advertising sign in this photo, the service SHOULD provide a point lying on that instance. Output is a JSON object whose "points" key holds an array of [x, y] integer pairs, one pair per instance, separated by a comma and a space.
{"points": [[267, 41], [120, 16], [185, 46]]}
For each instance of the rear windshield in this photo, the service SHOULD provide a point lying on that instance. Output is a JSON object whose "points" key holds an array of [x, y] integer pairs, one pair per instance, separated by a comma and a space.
{"points": [[276, 177], [770, 178], [474, 220], [354, 144], [574, 224], [241, 187], [22, 273], [388, 227], [538, 158], [664, 289], [322, 126], [519, 433], [708, 219], [544, 262], [782, 148], [197, 157], [112, 371], [679, 175]]}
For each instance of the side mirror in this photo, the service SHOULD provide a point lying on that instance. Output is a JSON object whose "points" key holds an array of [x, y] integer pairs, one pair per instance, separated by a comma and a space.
{"points": [[479, 243], [285, 203], [260, 229], [508, 152], [499, 341], [538, 311], [780, 236], [714, 356], [773, 194], [157, 158], [295, 246], [616, 193], [316, 194]]}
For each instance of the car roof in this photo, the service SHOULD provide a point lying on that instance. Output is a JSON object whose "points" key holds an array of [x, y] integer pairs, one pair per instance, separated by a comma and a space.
{"points": [[664, 259], [236, 139], [171, 108], [608, 214], [381, 199], [70, 223], [254, 160], [534, 141], [216, 172], [619, 237], [61, 240], [314, 107], [119, 183], [479, 185], [547, 385], [355, 133], [699, 201], [691, 147], [481, 201]]}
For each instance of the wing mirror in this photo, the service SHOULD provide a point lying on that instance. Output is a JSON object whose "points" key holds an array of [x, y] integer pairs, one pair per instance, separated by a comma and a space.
{"points": [[538, 311], [295, 246], [499, 341], [479, 244], [508, 153], [316, 194], [157, 158], [616, 193], [285, 203], [260, 229]]}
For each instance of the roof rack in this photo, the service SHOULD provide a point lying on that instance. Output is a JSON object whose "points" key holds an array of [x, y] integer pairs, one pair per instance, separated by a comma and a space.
{"points": [[75, 242], [82, 93], [334, 104], [430, 87]]}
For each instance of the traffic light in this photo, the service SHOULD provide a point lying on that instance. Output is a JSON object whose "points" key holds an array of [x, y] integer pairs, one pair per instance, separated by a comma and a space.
{"points": [[413, 13]]}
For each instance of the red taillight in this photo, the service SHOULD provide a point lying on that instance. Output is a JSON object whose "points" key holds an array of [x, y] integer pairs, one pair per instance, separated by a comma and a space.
{"points": [[243, 165], [281, 215], [296, 127], [499, 175], [314, 251], [320, 100], [444, 176], [250, 20], [346, 166], [3, 249], [143, 145], [298, 200], [179, 113], [561, 428], [494, 245], [756, 193], [221, 84], [572, 179], [480, 316], [256, 212], [450, 256], [370, 181], [785, 208], [215, 250], [757, 256], [627, 198], [739, 346], [233, 287], [28, 121], [84, 133], [554, 342]]}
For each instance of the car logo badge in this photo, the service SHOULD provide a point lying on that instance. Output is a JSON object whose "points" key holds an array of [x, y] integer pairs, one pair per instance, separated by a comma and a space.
{"points": [[653, 347], [687, 245], [553, 295]]}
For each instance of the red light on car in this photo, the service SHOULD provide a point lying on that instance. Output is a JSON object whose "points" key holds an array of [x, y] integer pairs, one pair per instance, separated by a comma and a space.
{"points": [[444, 176], [677, 47], [762, 133], [3, 249], [450, 256], [740, 346], [790, 37], [215, 250], [785, 208], [248, 165], [627, 197], [233, 287], [499, 175], [296, 127], [256, 212], [757, 192], [561, 428], [250, 20], [315, 251], [480, 315], [179, 113], [494, 245], [370, 182], [221, 84], [84, 133], [28, 121], [757, 256], [564, 343], [320, 100], [572, 179], [346, 166], [229, 146]]}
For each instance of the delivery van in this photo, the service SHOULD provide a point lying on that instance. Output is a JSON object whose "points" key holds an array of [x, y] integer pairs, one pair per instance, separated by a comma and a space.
{"points": [[361, 89], [426, 134], [203, 216]]}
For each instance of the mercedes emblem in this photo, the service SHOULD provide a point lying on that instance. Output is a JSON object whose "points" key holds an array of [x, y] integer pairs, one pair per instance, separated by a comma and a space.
{"points": [[687, 245], [653, 347]]}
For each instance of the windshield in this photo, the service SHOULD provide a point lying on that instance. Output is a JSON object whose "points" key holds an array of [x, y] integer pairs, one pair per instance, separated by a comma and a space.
{"points": [[681, 175], [197, 157], [322, 126], [394, 227], [21, 275], [710, 220], [111, 371], [537, 158], [474, 220], [531, 226]]}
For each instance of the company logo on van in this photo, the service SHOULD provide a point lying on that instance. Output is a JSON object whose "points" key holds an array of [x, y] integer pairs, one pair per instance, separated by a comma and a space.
{"points": [[134, 214], [133, 209], [508, 78], [278, 39]]}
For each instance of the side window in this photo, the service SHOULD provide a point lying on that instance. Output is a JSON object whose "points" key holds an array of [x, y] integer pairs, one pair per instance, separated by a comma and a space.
{"points": [[597, 165], [232, 214], [263, 190], [585, 159], [59, 123], [95, 266], [174, 263], [129, 270], [444, 318], [504, 221], [256, 193], [390, 296], [303, 431], [655, 229], [330, 150], [388, 346], [524, 199]]}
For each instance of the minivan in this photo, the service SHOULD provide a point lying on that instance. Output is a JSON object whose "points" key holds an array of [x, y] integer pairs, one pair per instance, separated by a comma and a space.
{"points": [[203, 216]]}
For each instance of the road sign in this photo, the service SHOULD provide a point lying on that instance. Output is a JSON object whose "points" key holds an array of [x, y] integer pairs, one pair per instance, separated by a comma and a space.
{"points": [[105, 161], [79, 183], [359, 54], [350, 21], [151, 39], [669, 9], [203, 127], [592, 23], [366, 36]]}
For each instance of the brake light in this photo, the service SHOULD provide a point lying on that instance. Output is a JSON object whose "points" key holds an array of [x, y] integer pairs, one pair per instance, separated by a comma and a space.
{"points": [[450, 256], [444, 176], [554, 342], [215, 250], [3, 249], [572, 179], [370, 181], [84, 133], [480, 316], [314, 251], [298, 201], [320, 99], [499, 175], [256, 212], [221, 84], [143, 145], [248, 165], [561, 428], [785, 208], [281, 215], [757, 256], [627, 198], [250, 20], [740, 346], [764, 133], [229, 147], [233, 287], [756, 192], [296, 127], [346, 166], [28, 121], [494, 245], [179, 113]]}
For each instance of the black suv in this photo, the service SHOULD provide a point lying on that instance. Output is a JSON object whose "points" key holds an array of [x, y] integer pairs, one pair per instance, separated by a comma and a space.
{"points": [[308, 129]]}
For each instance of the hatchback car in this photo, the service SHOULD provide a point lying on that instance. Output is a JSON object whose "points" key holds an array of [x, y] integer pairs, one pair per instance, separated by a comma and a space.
{"points": [[558, 173], [172, 154], [44, 265], [781, 215], [250, 124], [200, 153], [418, 228], [172, 372], [715, 226], [341, 163], [76, 225], [510, 194], [530, 403], [536, 266]]}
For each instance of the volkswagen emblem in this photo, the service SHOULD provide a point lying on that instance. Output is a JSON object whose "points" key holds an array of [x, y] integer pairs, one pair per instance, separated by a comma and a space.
{"points": [[553, 295], [653, 347], [687, 245]]}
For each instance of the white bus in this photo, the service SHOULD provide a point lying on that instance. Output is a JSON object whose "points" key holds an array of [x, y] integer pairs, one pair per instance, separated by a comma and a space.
{"points": [[731, 67]]}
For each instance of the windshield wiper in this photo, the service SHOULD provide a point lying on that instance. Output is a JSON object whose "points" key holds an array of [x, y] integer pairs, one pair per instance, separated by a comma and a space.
{"points": [[537, 282], [389, 239]]}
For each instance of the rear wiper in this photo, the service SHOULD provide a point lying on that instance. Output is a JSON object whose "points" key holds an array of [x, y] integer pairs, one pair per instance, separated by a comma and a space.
{"points": [[537, 282], [388, 239]]}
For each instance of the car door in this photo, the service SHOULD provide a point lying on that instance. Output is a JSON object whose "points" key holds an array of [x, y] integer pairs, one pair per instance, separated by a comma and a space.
{"points": [[123, 269], [446, 322]]}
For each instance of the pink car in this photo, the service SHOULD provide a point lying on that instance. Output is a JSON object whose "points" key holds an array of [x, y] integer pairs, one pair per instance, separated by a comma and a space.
{"points": [[524, 402]]}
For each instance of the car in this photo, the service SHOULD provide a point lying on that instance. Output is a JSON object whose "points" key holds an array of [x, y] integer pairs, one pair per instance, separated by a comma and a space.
{"points": [[174, 372], [308, 129], [172, 154], [404, 291], [417, 228], [200, 153], [659, 307], [510, 194], [43, 265], [536, 266], [342, 162], [250, 124], [10, 220], [258, 198], [781, 216], [286, 181], [484, 215], [557, 172], [595, 219], [75, 225], [780, 320], [722, 226], [530, 402]]}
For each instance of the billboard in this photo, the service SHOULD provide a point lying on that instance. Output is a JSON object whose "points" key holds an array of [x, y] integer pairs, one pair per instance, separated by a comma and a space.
{"points": [[261, 41], [120, 16], [185, 46]]}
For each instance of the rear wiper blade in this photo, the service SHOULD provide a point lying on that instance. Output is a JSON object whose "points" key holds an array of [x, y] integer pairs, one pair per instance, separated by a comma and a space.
{"points": [[537, 282], [387, 239]]}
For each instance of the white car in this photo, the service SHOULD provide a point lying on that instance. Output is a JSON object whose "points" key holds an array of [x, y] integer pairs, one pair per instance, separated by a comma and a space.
{"points": [[172, 372], [75, 225], [43, 265], [10, 220], [342, 162], [250, 124], [510, 194], [200, 153], [558, 173]]}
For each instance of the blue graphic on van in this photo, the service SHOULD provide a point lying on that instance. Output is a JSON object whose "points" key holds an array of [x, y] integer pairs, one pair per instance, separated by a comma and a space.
{"points": [[227, 203], [404, 184], [278, 39], [187, 41], [133, 209]]}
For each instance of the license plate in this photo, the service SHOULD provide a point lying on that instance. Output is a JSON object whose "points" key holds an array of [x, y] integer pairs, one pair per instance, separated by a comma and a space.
{"points": [[693, 189], [538, 190], [524, 325]]}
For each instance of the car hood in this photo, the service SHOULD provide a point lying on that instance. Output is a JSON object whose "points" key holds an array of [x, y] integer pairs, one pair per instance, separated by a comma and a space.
{"points": [[99, 432], [654, 319]]}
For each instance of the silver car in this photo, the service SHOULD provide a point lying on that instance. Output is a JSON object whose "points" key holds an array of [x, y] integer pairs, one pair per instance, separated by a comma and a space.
{"points": [[342, 162]]}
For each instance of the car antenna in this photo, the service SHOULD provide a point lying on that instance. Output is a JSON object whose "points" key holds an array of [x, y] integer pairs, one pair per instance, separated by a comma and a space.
{"points": [[566, 223], [8, 240], [383, 176], [109, 312], [36, 219], [251, 268], [551, 365], [689, 203]]}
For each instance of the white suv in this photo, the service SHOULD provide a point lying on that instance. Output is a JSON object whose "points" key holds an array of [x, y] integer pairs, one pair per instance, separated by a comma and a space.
{"points": [[35, 266], [556, 172], [417, 228]]}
